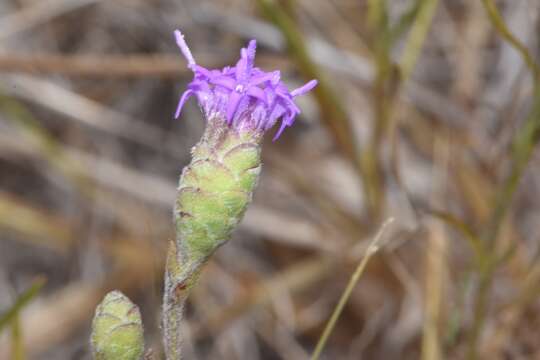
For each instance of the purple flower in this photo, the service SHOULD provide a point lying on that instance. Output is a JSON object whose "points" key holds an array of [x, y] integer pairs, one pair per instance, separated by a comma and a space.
{"points": [[245, 96]]}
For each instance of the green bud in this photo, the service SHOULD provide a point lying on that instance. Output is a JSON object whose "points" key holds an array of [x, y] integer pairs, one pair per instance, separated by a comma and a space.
{"points": [[215, 189], [213, 194], [117, 331], [240, 104]]}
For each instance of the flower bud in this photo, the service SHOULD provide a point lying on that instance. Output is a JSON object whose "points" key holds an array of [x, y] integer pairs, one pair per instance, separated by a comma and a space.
{"points": [[240, 104], [117, 331]]}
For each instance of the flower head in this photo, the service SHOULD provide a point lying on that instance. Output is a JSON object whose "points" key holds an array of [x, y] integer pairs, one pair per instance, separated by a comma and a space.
{"points": [[244, 96]]}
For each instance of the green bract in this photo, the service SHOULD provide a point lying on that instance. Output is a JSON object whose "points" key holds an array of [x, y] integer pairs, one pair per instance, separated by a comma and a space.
{"points": [[117, 331], [213, 194], [215, 189]]}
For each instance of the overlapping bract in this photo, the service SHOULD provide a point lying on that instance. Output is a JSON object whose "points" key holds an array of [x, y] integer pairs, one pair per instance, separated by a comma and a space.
{"points": [[245, 96]]}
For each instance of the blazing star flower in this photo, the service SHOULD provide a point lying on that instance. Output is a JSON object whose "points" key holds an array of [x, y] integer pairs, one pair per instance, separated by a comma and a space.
{"points": [[240, 104], [246, 97]]}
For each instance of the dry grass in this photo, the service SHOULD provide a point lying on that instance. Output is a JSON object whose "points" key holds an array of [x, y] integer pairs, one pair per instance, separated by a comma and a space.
{"points": [[428, 112]]}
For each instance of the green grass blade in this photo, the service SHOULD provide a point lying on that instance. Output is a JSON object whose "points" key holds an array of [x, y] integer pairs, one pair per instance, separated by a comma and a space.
{"points": [[371, 250], [11, 314]]}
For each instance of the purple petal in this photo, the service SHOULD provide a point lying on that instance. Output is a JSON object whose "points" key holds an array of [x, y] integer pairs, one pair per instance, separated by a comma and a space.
{"points": [[289, 103], [199, 86], [304, 89], [257, 92], [245, 96], [199, 70], [241, 66], [281, 128], [234, 100], [227, 70], [259, 79], [258, 115], [276, 111], [289, 119], [183, 100], [184, 48], [245, 64], [252, 46], [224, 81]]}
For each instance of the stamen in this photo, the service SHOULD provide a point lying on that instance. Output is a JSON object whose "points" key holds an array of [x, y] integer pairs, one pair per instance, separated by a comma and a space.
{"points": [[304, 89], [184, 48]]}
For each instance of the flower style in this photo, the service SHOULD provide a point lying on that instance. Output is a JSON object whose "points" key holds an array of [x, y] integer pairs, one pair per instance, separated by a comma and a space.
{"points": [[246, 97]]}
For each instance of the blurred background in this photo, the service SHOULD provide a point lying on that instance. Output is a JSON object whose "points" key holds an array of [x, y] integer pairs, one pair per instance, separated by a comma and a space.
{"points": [[427, 112]]}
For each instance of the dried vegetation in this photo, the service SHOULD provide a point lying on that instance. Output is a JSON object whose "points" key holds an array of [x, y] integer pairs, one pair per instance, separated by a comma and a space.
{"points": [[427, 111]]}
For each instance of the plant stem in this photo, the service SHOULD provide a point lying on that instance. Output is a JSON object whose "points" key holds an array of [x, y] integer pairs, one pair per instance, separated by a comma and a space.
{"points": [[11, 318], [17, 346], [417, 36], [23, 300], [371, 250], [498, 22], [388, 82], [523, 146], [174, 298]]}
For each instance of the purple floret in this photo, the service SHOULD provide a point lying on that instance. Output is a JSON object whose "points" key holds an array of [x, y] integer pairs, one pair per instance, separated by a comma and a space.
{"points": [[245, 96]]}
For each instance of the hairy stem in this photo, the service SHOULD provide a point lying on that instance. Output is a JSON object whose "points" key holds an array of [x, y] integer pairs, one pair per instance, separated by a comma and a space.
{"points": [[213, 194]]}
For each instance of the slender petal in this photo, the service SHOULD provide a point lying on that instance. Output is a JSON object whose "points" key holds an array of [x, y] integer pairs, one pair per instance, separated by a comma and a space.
{"points": [[304, 89], [199, 70], [183, 100], [278, 134], [234, 101], [184, 48], [259, 79], [257, 93], [224, 81]]}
